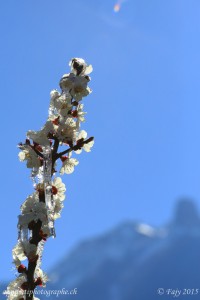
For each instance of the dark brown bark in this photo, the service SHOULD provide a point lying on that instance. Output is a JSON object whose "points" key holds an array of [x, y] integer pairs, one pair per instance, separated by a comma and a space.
{"points": [[36, 238]]}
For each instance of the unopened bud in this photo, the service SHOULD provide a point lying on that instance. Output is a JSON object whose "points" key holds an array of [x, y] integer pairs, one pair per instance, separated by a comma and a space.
{"points": [[21, 269], [38, 281]]}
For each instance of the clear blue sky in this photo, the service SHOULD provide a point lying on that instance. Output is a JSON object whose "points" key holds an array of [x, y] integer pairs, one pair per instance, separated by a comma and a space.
{"points": [[144, 110]]}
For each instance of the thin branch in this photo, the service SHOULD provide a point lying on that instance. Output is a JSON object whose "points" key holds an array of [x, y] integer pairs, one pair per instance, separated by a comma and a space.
{"points": [[74, 148], [36, 238], [54, 153], [36, 151]]}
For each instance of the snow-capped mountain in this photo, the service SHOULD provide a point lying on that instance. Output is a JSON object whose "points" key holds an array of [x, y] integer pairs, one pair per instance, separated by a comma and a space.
{"points": [[134, 260]]}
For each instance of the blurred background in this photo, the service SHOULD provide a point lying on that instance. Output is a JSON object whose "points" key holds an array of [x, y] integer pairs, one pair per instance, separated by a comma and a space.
{"points": [[130, 223]]}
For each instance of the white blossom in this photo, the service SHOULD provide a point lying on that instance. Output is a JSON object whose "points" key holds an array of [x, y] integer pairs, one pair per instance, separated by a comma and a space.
{"points": [[80, 88], [68, 164], [54, 94], [66, 130], [87, 147], [18, 252], [22, 250], [85, 69], [76, 85], [30, 156], [32, 209], [58, 189], [42, 275], [60, 104], [16, 261], [40, 136], [14, 290], [82, 135], [79, 114], [58, 208], [29, 203], [39, 212]]}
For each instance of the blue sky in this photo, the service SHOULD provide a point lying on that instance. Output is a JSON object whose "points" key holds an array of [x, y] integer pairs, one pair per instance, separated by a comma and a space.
{"points": [[143, 112]]}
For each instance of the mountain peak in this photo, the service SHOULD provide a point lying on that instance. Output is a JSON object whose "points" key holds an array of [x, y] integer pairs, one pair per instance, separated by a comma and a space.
{"points": [[186, 214]]}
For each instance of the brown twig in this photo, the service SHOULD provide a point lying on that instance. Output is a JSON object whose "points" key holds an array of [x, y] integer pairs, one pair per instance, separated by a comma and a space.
{"points": [[74, 148], [36, 151]]}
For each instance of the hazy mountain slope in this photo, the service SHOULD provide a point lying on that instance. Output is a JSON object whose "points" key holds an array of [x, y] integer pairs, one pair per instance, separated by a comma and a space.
{"points": [[133, 260]]}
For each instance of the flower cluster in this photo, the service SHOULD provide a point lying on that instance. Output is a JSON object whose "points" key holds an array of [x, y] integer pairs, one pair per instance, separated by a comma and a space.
{"points": [[41, 153]]}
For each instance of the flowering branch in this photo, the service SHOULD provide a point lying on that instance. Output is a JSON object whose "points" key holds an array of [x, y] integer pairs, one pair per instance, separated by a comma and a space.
{"points": [[42, 156]]}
